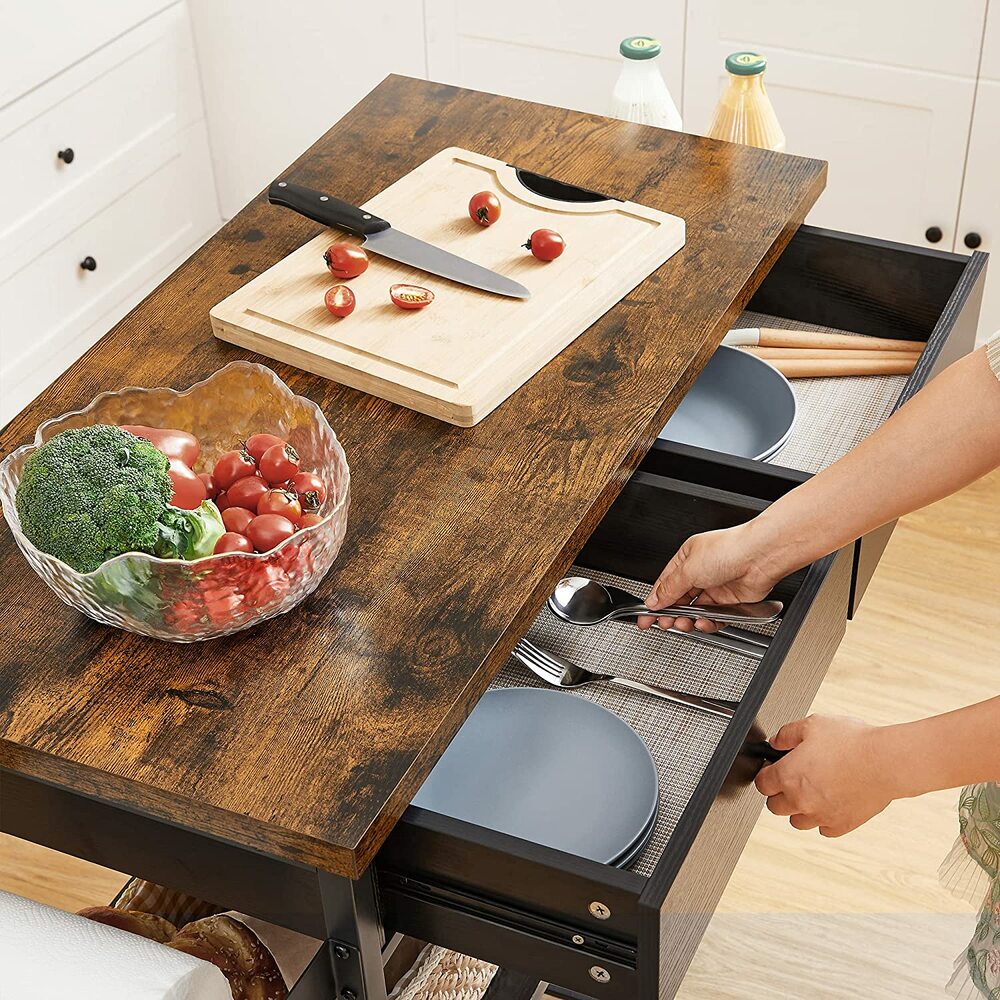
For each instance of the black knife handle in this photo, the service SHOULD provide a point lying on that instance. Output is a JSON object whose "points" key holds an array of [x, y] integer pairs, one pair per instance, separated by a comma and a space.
{"points": [[325, 208]]}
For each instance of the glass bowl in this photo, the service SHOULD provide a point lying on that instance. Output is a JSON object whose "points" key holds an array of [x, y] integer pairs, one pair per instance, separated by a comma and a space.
{"points": [[206, 598]]}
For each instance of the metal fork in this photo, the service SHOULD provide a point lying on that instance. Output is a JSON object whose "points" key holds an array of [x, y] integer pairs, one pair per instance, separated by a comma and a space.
{"points": [[560, 672]]}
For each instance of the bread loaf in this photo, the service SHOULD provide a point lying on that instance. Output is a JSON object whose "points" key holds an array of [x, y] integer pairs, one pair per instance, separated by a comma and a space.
{"points": [[146, 925]]}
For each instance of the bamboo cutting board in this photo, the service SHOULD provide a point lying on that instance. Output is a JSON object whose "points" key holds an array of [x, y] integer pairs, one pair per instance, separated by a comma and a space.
{"points": [[469, 350]]}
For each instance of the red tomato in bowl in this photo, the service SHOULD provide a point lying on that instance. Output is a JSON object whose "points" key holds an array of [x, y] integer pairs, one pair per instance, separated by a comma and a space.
{"points": [[410, 296], [280, 501], [310, 489], [189, 490], [340, 301], [233, 541], [211, 488], [231, 466], [267, 531], [237, 519], [484, 208], [257, 444], [279, 463], [309, 519], [246, 492], [345, 260]]}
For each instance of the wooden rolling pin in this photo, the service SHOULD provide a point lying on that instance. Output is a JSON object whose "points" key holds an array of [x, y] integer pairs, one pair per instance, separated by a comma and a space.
{"points": [[808, 354], [770, 337], [792, 368]]}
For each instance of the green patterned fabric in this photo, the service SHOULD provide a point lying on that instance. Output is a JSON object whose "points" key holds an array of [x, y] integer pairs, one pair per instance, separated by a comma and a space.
{"points": [[972, 871]]}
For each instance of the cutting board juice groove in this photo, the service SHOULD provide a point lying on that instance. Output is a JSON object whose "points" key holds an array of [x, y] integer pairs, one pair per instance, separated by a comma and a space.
{"points": [[469, 350]]}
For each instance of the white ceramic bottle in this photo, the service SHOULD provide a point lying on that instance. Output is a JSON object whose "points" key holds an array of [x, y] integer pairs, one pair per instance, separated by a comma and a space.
{"points": [[641, 93]]}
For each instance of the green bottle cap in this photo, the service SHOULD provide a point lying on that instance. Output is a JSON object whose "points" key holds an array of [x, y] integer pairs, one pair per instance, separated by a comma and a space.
{"points": [[746, 63], [639, 47]]}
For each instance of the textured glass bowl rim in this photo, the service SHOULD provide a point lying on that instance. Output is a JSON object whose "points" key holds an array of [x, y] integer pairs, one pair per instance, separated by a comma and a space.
{"points": [[205, 561]]}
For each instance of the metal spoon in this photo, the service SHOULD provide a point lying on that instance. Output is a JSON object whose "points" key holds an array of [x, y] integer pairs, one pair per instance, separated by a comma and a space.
{"points": [[582, 601]]}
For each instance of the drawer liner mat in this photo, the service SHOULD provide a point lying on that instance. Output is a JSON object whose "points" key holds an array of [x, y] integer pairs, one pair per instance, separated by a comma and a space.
{"points": [[834, 414], [682, 740]]}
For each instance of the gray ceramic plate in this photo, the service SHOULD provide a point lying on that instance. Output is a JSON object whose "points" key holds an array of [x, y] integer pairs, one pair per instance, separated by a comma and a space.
{"points": [[549, 767], [739, 405]]}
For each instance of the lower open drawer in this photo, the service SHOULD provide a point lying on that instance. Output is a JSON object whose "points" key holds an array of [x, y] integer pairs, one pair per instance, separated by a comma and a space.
{"points": [[589, 927]]}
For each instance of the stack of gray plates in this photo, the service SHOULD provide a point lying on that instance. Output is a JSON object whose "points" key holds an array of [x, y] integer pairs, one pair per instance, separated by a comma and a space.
{"points": [[552, 768], [739, 405]]}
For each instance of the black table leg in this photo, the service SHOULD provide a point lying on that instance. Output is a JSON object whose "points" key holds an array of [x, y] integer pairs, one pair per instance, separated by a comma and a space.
{"points": [[354, 936]]}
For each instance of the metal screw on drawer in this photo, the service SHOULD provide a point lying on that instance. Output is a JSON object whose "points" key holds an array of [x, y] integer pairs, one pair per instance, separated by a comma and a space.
{"points": [[341, 952], [66, 155], [346, 994], [599, 974], [599, 910], [933, 234], [88, 264], [577, 939], [972, 240]]}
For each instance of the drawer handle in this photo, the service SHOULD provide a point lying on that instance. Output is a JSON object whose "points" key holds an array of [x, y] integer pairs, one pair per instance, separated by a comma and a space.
{"points": [[973, 240], [66, 155], [88, 264], [933, 234]]}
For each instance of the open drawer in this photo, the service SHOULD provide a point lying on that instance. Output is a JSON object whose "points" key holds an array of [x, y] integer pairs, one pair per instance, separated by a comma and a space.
{"points": [[593, 928], [839, 283]]}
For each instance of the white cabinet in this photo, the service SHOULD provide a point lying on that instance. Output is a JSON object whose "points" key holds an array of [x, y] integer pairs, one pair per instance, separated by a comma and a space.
{"points": [[554, 53], [882, 91], [276, 76]]}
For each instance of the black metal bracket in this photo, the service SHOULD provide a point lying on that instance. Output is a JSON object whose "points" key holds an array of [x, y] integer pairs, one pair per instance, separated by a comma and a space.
{"points": [[354, 936]]}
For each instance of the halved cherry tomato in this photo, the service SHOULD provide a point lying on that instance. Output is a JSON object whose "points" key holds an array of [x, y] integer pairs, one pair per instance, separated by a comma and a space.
{"points": [[345, 260], [233, 541], [257, 444], [237, 519], [484, 208], [310, 489], [269, 530], [309, 519], [279, 463], [173, 443], [211, 487], [340, 300], [246, 492], [410, 296], [282, 502], [231, 466], [189, 490], [545, 244]]}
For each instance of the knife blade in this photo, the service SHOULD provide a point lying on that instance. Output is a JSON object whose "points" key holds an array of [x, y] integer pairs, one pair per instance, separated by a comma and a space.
{"points": [[381, 238]]}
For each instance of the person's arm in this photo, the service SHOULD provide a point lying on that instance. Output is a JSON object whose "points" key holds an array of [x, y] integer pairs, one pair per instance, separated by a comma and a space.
{"points": [[945, 437], [842, 772]]}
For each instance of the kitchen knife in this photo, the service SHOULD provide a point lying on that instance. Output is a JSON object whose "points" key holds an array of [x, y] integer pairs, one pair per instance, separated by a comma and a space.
{"points": [[769, 337], [381, 238]]}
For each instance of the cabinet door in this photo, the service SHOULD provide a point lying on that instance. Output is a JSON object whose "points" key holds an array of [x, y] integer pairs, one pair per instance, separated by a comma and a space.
{"points": [[536, 52], [889, 109], [980, 213]]}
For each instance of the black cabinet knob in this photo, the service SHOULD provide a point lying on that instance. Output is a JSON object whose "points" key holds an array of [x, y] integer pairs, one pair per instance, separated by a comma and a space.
{"points": [[88, 264], [933, 234], [66, 155], [972, 240]]}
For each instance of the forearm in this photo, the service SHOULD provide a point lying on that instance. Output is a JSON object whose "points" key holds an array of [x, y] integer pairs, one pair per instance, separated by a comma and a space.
{"points": [[946, 751], [947, 436]]}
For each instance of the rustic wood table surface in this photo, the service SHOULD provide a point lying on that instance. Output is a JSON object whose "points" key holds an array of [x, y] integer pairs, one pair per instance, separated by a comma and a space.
{"points": [[305, 739]]}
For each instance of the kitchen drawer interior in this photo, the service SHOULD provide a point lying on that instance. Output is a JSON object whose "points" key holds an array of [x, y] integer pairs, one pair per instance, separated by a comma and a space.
{"points": [[527, 906]]}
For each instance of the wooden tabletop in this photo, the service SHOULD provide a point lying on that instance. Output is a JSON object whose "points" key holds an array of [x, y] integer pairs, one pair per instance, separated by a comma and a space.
{"points": [[306, 738]]}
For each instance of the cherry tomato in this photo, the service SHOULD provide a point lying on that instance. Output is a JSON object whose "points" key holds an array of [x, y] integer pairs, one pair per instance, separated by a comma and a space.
{"points": [[282, 502], [545, 244], [257, 444], [173, 443], [269, 530], [246, 492], [233, 541], [309, 519], [345, 260], [340, 300], [484, 208], [211, 487], [410, 296], [222, 502], [231, 466], [189, 490], [237, 519], [279, 463], [310, 489]]}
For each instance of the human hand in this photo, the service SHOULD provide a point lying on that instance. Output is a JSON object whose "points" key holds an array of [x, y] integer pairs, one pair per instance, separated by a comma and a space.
{"points": [[717, 567], [836, 777]]}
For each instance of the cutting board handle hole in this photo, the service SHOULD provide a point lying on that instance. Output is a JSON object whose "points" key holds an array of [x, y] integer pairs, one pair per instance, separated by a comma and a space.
{"points": [[555, 190]]}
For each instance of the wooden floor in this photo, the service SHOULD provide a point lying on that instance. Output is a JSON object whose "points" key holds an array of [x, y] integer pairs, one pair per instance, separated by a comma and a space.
{"points": [[804, 916]]}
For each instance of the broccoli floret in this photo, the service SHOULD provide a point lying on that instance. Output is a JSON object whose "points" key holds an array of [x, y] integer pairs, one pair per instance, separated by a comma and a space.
{"points": [[91, 493]]}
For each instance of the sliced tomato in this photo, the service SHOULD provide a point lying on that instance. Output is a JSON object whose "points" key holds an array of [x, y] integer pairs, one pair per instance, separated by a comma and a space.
{"points": [[340, 301], [410, 296]]}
